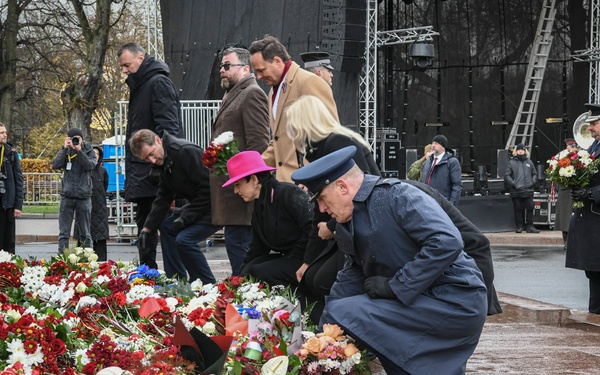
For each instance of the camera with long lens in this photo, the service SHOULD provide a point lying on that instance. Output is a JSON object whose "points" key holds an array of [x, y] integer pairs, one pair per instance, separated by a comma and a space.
{"points": [[2, 184], [75, 141]]}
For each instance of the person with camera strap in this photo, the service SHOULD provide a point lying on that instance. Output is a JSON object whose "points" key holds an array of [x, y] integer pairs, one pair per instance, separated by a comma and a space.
{"points": [[11, 191], [76, 159]]}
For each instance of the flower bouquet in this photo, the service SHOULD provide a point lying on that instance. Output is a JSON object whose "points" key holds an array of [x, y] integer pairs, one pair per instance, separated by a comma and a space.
{"points": [[218, 152], [57, 317], [572, 170]]}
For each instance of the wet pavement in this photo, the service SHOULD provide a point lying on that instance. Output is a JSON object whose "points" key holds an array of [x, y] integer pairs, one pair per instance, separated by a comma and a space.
{"points": [[544, 328]]}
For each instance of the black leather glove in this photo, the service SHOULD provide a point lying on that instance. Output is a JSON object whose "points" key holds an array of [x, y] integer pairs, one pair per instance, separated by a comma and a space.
{"points": [[178, 225], [580, 194], [379, 287], [143, 241]]}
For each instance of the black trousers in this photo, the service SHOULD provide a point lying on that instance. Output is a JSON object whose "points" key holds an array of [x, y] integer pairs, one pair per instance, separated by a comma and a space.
{"points": [[142, 210], [594, 279], [274, 269], [318, 280], [523, 208], [7, 230]]}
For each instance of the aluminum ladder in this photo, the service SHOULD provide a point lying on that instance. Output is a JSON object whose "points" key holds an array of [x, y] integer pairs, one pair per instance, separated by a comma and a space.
{"points": [[523, 128]]}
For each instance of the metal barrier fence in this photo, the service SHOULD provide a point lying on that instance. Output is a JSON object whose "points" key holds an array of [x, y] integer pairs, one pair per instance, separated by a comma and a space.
{"points": [[197, 117], [42, 188]]}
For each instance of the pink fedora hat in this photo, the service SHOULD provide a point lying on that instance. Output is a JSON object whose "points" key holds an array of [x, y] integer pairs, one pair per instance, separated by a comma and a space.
{"points": [[245, 164]]}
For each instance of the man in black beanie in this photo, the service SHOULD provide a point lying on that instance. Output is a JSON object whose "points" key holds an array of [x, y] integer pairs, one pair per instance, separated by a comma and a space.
{"points": [[521, 177], [442, 170], [76, 159]]}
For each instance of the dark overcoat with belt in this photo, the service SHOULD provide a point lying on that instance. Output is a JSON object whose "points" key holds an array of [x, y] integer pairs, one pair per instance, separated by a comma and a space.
{"points": [[433, 324], [244, 112], [584, 236]]}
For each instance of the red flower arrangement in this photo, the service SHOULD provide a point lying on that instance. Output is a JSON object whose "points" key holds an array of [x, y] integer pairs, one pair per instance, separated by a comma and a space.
{"points": [[218, 152]]}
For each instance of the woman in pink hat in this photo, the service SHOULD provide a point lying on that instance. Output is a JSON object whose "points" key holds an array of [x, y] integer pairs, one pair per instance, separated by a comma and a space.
{"points": [[281, 221]]}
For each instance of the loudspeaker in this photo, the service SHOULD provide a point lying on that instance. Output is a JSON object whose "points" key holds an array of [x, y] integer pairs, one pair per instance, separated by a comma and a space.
{"points": [[502, 157], [351, 48], [348, 64], [346, 3], [351, 16], [344, 31]]}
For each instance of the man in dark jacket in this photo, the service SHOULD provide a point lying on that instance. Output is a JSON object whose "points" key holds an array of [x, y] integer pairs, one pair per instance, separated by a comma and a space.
{"points": [[442, 170], [11, 192], [153, 104], [406, 279], [244, 111], [76, 159], [584, 236], [182, 176], [521, 177]]}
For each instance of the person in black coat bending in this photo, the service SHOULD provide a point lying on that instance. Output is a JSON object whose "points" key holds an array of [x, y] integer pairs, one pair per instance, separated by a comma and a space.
{"points": [[154, 105], [281, 220], [182, 176]]}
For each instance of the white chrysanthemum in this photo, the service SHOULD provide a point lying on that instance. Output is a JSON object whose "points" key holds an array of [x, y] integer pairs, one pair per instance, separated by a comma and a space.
{"points": [[251, 293], [18, 355], [209, 328], [566, 171], [583, 154], [331, 364], [33, 311], [32, 278], [85, 301], [224, 138], [139, 292], [72, 322], [5, 256]]}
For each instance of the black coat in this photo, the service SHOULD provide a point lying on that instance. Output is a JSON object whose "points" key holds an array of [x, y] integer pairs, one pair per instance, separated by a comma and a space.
{"points": [[281, 221], [182, 176], [477, 245], [153, 104], [99, 220], [584, 236], [365, 161], [11, 168]]}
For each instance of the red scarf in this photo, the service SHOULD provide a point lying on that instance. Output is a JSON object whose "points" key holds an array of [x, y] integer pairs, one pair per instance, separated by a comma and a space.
{"points": [[276, 87]]}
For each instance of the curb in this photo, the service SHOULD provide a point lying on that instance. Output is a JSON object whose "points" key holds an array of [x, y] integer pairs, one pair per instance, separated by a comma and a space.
{"points": [[526, 310]]}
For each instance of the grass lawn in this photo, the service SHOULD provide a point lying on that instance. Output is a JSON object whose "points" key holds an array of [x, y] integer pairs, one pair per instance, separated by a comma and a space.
{"points": [[50, 209]]}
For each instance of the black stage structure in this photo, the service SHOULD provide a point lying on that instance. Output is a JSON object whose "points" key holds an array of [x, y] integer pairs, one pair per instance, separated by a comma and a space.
{"points": [[476, 79]]}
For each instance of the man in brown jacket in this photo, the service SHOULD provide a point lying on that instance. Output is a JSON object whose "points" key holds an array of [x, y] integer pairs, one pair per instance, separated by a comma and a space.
{"points": [[244, 111], [288, 82]]}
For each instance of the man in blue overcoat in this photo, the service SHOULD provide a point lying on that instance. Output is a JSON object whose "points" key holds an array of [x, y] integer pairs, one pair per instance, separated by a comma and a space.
{"points": [[408, 291]]}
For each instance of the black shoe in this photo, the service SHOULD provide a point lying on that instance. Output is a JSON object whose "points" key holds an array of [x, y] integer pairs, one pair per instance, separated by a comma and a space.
{"points": [[532, 229], [519, 229]]}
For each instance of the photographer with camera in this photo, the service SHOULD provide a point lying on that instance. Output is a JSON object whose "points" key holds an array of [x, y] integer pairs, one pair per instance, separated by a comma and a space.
{"points": [[76, 159], [11, 191]]}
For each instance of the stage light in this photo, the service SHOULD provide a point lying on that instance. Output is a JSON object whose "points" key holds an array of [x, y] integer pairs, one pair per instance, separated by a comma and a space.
{"points": [[437, 124], [556, 120], [500, 123]]}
